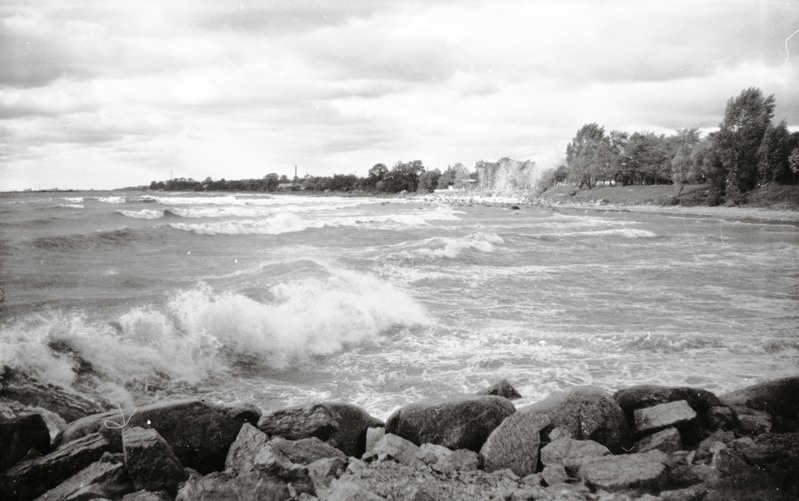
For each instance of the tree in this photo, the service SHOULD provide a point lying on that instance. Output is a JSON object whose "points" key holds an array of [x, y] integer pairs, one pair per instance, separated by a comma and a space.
{"points": [[428, 180], [773, 155], [746, 120], [271, 182], [684, 143], [375, 175], [793, 163], [587, 153], [402, 177]]}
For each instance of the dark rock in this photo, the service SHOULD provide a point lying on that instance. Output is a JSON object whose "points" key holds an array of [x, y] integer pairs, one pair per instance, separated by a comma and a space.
{"points": [[396, 448], [754, 422], [514, 444], [456, 423], [588, 414], [752, 485], [70, 405], [242, 452], [147, 496], [625, 472], [501, 388], [29, 479], [306, 450], [99, 479], [638, 397], [10, 409], [667, 440], [681, 476], [722, 418], [565, 450], [198, 433], [150, 462], [227, 486], [729, 463], [373, 435], [779, 397], [693, 493], [342, 425], [19, 435], [661, 416]]}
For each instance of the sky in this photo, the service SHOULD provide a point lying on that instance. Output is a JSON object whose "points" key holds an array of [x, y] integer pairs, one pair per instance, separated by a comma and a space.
{"points": [[108, 93]]}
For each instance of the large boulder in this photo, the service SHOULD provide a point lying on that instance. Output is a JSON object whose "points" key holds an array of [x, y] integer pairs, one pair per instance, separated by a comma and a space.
{"points": [[70, 405], [10, 409], [198, 432], [101, 479], [779, 397], [586, 413], [226, 485], [455, 423], [19, 435], [642, 396], [248, 443], [661, 416], [646, 471], [567, 451], [396, 448], [514, 443], [501, 388], [28, 479], [341, 425], [305, 450], [150, 462]]}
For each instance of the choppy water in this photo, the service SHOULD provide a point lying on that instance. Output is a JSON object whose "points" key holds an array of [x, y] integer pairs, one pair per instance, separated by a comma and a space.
{"points": [[287, 299]]}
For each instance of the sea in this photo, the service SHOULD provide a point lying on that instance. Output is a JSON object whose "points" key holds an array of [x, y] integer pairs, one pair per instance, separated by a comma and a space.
{"points": [[282, 300]]}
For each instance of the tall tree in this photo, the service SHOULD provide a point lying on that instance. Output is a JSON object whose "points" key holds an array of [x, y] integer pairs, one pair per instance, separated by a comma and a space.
{"points": [[773, 154], [587, 154]]}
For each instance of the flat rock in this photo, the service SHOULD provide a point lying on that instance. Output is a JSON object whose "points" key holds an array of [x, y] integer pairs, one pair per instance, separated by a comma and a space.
{"points": [[396, 448], [501, 388], [779, 397], [514, 444], [150, 462], [31, 478], [341, 425], [324, 471], [626, 471], [305, 450], [228, 486], [248, 442], [455, 423], [667, 440], [102, 479], [587, 413], [662, 416], [565, 450], [554, 474], [10, 409], [444, 460], [639, 397], [19, 435], [147, 496], [754, 422], [199, 433]]}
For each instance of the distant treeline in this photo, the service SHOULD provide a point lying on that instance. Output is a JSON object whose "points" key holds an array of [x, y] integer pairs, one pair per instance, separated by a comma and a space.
{"points": [[747, 151]]}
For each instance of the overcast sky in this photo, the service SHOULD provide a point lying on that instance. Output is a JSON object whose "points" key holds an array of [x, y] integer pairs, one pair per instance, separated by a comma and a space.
{"points": [[109, 93]]}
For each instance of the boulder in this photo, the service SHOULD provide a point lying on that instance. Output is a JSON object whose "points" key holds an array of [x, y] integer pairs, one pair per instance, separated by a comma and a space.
{"points": [[645, 471], [566, 450], [199, 433], [779, 397], [373, 435], [10, 409], [444, 460], [455, 423], [324, 471], [686, 475], [501, 388], [639, 397], [342, 425], [248, 443], [396, 448], [107, 479], [228, 486], [147, 496], [722, 418], [19, 435], [346, 490], [554, 474], [70, 405], [31, 478], [514, 444], [150, 462], [667, 440], [754, 422], [587, 413], [305, 450], [662, 416]]}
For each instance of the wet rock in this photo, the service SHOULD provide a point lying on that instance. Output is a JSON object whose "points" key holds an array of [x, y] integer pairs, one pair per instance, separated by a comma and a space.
{"points": [[779, 398], [729, 463], [515, 444], [10, 409], [681, 476], [722, 418], [248, 443], [342, 425], [373, 435], [588, 414], [227, 486], [456, 423], [29, 479], [147, 496], [667, 440], [501, 388], [626, 472], [396, 448], [553, 474], [324, 471], [754, 422], [639, 397], [70, 405], [444, 460], [99, 479], [19, 435], [661, 416], [199, 433], [305, 450], [150, 462], [693, 493], [566, 451]]}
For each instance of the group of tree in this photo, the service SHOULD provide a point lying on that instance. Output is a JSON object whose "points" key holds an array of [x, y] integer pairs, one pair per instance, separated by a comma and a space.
{"points": [[747, 151]]}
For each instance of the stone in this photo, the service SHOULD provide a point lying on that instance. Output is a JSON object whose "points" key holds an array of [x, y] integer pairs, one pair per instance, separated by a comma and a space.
{"points": [[667, 440], [10, 409], [324, 471], [455, 423], [754, 422], [228, 486], [514, 444], [701, 401], [373, 435], [768, 448], [70, 405], [565, 450], [199, 433], [345, 490], [501, 388], [342, 425], [101, 478], [306, 450], [31, 478], [147, 496], [554, 474], [626, 472], [588, 413], [661, 416], [728, 462], [242, 451], [681, 476], [396, 448], [722, 418], [19, 435], [443, 460], [150, 462], [693, 493], [779, 397]]}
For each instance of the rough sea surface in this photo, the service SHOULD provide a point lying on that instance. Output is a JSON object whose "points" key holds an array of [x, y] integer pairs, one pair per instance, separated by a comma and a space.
{"points": [[281, 300]]}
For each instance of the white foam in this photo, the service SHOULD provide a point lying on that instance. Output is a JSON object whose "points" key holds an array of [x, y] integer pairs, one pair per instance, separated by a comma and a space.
{"points": [[273, 225], [112, 200], [71, 206], [621, 232], [452, 247], [142, 214]]}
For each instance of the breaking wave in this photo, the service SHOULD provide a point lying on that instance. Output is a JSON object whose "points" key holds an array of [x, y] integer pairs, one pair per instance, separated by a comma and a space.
{"points": [[453, 247]]}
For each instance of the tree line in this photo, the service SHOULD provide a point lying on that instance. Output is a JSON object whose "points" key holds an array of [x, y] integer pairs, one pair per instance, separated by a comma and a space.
{"points": [[747, 151]]}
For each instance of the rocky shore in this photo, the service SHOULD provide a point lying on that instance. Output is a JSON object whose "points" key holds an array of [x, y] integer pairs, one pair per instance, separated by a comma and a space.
{"points": [[644, 442]]}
